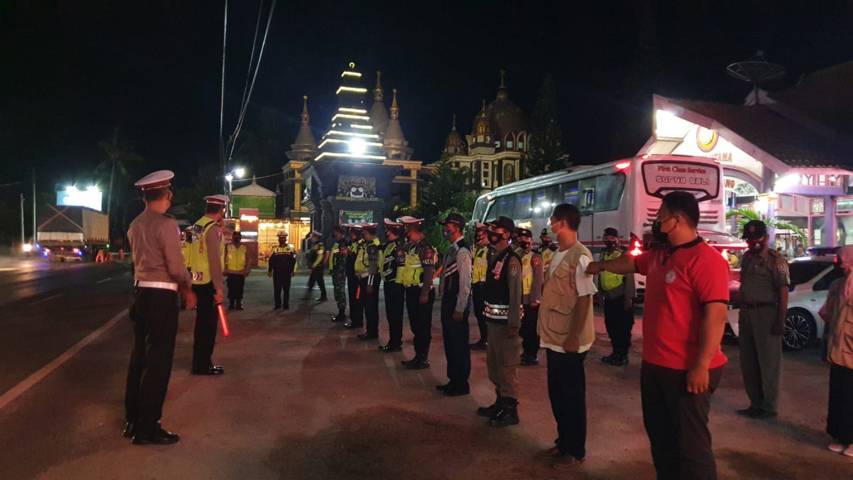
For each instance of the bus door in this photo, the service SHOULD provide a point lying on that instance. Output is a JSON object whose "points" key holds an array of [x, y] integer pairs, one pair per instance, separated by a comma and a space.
{"points": [[586, 232]]}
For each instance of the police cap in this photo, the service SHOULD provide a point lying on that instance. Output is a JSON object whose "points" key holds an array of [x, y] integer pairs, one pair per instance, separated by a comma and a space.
{"points": [[610, 231], [156, 180], [216, 200], [454, 218], [523, 232], [503, 222]]}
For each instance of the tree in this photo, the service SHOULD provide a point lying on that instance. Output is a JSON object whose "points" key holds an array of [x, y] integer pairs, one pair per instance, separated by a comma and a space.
{"points": [[745, 215], [546, 153], [119, 160], [446, 190], [188, 201]]}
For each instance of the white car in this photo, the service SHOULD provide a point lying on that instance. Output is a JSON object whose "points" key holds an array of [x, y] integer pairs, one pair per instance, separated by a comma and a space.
{"points": [[810, 281]]}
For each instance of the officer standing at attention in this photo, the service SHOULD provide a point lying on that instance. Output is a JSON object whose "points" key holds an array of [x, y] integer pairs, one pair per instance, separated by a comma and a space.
{"points": [[546, 248], [764, 281], [207, 262], [356, 310], [478, 283], [394, 292], [618, 293], [531, 291], [282, 264], [455, 290], [338, 270], [367, 269], [159, 274], [416, 275], [503, 312], [316, 256], [237, 268]]}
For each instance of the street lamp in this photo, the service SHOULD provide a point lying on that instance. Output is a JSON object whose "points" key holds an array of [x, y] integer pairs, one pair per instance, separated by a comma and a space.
{"points": [[237, 172]]}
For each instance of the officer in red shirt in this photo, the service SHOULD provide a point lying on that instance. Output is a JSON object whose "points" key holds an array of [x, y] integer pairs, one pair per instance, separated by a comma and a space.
{"points": [[685, 314]]}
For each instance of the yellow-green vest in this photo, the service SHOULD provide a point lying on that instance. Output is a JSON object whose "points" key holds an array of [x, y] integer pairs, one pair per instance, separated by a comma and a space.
{"points": [[547, 255], [608, 280], [526, 273], [361, 260], [409, 274], [235, 257], [481, 265], [198, 252]]}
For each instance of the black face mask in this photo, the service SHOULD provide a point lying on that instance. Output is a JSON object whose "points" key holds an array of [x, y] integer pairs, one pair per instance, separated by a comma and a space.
{"points": [[658, 235], [495, 238], [524, 245], [609, 244]]}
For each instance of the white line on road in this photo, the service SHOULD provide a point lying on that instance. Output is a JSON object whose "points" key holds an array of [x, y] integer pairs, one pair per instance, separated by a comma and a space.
{"points": [[104, 280], [51, 297], [46, 370]]}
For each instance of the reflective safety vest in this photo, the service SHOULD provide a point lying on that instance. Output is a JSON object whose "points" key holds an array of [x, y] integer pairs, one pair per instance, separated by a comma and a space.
{"points": [[410, 272], [333, 256], [547, 255], [526, 273], [362, 264], [235, 257], [481, 265], [185, 252], [198, 252], [608, 280], [389, 261]]}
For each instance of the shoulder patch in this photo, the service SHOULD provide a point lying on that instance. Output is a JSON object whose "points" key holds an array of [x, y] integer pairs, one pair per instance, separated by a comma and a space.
{"points": [[513, 268]]}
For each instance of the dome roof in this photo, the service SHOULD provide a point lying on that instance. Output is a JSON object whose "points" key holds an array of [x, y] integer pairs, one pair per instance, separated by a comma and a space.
{"points": [[504, 115], [454, 140], [482, 124]]}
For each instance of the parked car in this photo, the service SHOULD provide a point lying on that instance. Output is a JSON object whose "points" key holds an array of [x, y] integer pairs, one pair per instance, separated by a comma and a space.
{"points": [[810, 281]]}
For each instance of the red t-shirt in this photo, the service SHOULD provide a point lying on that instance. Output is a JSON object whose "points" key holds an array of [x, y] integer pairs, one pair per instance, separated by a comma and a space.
{"points": [[679, 283]]}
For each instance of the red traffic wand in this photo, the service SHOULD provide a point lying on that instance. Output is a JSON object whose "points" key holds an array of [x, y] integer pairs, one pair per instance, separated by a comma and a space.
{"points": [[223, 320]]}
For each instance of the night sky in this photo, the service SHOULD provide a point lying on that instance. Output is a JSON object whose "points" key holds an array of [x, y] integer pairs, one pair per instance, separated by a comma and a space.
{"points": [[73, 70]]}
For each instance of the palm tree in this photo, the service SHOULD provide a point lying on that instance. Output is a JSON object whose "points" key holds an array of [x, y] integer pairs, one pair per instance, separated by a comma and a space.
{"points": [[745, 215], [119, 160]]}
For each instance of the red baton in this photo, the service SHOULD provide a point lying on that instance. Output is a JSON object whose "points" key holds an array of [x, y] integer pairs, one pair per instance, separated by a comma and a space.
{"points": [[223, 320]]}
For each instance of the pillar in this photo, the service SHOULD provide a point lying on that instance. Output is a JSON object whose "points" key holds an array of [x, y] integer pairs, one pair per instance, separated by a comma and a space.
{"points": [[297, 191], [413, 191], [830, 222]]}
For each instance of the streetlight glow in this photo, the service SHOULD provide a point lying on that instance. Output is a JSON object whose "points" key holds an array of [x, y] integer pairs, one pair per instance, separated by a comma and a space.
{"points": [[239, 172], [229, 177]]}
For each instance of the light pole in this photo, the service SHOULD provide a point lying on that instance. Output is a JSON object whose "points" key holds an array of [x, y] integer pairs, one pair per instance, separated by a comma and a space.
{"points": [[238, 172]]}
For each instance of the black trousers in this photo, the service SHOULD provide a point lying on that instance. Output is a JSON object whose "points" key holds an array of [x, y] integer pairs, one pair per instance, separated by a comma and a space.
{"points": [[155, 323], [356, 310], [395, 299], [839, 420], [316, 278], [567, 391], [478, 294], [235, 284], [677, 423], [619, 323], [204, 336], [370, 304], [456, 346], [281, 288], [420, 320], [529, 333]]}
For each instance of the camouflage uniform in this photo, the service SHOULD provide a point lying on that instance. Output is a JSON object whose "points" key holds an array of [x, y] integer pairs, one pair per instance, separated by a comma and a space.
{"points": [[337, 267]]}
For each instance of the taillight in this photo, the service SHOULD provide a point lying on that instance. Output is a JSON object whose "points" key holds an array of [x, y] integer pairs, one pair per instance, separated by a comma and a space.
{"points": [[636, 246]]}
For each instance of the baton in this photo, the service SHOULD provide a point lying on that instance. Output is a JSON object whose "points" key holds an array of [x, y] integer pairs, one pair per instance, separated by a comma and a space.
{"points": [[223, 320]]}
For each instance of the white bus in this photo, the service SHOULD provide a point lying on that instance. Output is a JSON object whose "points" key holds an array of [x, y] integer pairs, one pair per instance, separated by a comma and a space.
{"points": [[624, 194]]}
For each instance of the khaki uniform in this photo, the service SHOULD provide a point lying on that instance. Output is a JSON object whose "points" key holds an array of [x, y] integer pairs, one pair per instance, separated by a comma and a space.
{"points": [[760, 351]]}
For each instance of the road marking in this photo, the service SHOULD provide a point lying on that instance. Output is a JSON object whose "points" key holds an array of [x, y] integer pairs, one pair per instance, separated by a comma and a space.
{"points": [[51, 297], [12, 394], [104, 280]]}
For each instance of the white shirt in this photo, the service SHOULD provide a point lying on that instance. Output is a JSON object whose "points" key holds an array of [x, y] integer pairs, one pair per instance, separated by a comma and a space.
{"points": [[585, 286]]}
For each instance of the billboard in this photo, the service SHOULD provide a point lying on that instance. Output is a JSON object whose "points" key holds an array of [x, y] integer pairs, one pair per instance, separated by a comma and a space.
{"points": [[73, 197]]}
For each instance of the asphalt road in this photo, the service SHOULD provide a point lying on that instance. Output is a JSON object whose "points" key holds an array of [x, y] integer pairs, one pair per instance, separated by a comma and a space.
{"points": [[302, 398]]}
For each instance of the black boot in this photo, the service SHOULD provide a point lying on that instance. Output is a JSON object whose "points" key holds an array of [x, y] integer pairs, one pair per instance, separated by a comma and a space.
{"points": [[491, 410], [507, 415], [230, 304], [239, 304]]}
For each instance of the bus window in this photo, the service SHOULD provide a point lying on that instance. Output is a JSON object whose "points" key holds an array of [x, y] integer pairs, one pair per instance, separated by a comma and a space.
{"points": [[523, 206], [542, 200], [608, 191], [480, 208], [569, 193], [505, 206], [587, 195]]}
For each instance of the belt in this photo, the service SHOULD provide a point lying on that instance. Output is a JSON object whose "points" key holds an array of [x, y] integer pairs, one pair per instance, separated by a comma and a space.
{"points": [[757, 304], [161, 285]]}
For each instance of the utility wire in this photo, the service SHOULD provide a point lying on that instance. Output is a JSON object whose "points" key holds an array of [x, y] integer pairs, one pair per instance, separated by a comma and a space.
{"points": [[252, 85], [222, 97], [252, 56]]}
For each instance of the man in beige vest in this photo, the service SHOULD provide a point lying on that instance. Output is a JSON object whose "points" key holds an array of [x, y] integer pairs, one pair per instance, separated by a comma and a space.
{"points": [[566, 332]]}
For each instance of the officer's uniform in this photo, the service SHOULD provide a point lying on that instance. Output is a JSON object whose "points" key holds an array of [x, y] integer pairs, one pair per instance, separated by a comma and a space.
{"points": [[478, 289], [546, 249], [618, 320], [282, 263], [531, 290], [761, 279], [415, 274], [315, 259], [159, 272], [367, 269], [237, 267], [207, 258], [394, 292], [356, 310], [186, 246], [337, 269], [455, 289]]}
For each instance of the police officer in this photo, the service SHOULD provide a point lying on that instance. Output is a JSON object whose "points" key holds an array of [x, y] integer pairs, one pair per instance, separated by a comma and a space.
{"points": [[455, 290], [237, 268], [478, 283], [282, 265], [159, 275], [415, 273], [546, 248], [316, 256], [618, 294], [337, 268], [186, 246], [356, 310], [531, 290], [764, 281], [394, 292], [207, 258], [503, 312], [367, 269]]}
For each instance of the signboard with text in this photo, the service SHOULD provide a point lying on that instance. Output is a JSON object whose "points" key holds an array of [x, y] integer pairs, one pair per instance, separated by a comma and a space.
{"points": [[662, 177]]}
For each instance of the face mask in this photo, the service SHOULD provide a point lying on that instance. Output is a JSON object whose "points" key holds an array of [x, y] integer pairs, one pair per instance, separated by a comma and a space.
{"points": [[610, 244], [448, 235], [755, 245], [524, 244], [658, 234], [495, 238]]}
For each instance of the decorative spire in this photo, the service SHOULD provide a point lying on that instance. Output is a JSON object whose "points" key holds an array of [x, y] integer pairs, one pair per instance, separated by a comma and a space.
{"points": [[503, 83], [483, 110], [502, 90], [304, 141], [395, 109], [378, 95], [305, 116], [453, 126]]}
